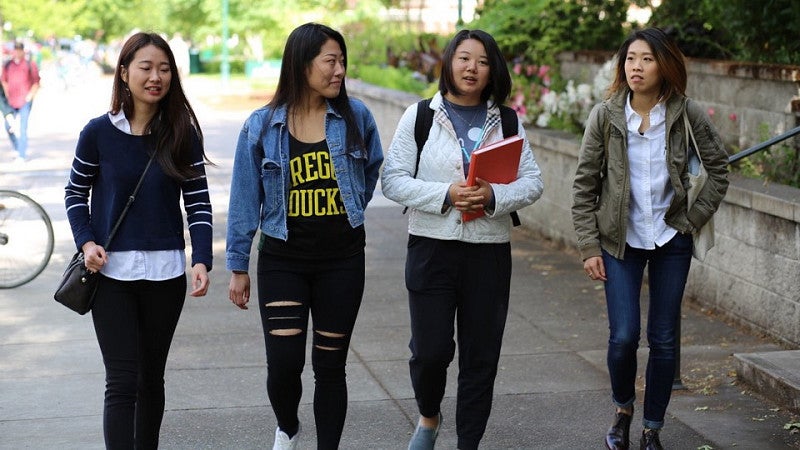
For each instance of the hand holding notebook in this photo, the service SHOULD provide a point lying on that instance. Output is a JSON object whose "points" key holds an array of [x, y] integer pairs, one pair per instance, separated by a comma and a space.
{"points": [[496, 163]]}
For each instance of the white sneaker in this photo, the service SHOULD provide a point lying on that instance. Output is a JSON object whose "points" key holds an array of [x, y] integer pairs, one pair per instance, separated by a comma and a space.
{"points": [[282, 441]]}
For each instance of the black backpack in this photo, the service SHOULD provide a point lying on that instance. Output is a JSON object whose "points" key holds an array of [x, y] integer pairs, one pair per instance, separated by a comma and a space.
{"points": [[422, 126]]}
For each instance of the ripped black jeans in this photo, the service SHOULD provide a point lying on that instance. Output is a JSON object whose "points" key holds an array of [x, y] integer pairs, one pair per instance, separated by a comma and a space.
{"points": [[331, 290]]}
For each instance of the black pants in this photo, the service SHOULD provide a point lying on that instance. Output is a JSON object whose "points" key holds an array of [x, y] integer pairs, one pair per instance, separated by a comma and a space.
{"points": [[469, 284], [134, 322], [331, 290]]}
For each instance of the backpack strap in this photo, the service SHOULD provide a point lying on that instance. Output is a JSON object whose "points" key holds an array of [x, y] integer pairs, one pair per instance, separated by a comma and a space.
{"points": [[509, 119], [422, 127]]}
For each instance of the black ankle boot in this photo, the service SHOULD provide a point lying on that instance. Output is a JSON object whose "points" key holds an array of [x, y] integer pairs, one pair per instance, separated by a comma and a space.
{"points": [[650, 441], [618, 436]]}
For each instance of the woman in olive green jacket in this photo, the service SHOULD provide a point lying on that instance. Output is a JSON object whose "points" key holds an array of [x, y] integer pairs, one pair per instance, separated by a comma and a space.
{"points": [[630, 212]]}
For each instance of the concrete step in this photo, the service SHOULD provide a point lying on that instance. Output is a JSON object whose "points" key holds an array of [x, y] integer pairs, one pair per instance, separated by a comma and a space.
{"points": [[775, 375]]}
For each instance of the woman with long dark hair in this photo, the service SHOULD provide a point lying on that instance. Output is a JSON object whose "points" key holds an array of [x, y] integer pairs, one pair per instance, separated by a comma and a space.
{"points": [[305, 168], [630, 211], [143, 282]]}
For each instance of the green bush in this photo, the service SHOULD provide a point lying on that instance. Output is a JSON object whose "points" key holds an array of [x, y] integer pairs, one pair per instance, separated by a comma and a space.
{"points": [[538, 30], [370, 41], [214, 65], [780, 163], [399, 79], [741, 30]]}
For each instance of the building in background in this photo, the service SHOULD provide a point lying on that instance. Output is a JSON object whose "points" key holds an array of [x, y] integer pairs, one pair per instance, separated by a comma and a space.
{"points": [[432, 16]]}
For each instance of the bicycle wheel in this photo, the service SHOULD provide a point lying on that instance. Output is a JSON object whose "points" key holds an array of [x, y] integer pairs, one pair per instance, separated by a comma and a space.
{"points": [[26, 239]]}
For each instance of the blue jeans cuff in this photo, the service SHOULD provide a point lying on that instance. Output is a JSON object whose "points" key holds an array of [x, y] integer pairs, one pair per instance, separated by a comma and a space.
{"points": [[624, 405], [652, 425]]}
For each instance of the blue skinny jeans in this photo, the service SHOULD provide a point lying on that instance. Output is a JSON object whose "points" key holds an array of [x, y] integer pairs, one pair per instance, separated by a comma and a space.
{"points": [[667, 271]]}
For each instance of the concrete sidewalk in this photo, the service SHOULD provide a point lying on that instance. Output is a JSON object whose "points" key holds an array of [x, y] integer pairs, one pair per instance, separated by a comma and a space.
{"points": [[552, 390]]}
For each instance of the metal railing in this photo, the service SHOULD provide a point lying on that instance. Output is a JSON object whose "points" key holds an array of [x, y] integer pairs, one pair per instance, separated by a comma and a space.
{"points": [[764, 145], [676, 382]]}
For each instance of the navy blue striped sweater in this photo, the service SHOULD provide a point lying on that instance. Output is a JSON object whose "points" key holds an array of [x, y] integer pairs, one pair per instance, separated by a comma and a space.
{"points": [[107, 164]]}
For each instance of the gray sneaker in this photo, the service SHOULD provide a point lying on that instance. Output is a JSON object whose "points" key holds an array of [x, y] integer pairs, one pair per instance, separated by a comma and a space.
{"points": [[425, 438]]}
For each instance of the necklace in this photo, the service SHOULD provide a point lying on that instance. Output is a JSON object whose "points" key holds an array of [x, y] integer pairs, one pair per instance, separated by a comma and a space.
{"points": [[468, 123], [454, 108]]}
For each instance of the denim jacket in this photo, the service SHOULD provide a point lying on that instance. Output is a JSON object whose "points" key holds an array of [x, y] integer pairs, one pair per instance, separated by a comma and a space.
{"points": [[261, 176]]}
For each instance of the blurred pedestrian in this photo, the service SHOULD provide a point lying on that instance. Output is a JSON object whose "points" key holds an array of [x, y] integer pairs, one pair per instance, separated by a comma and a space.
{"points": [[305, 168], [180, 48], [630, 212], [455, 270], [20, 81], [143, 281]]}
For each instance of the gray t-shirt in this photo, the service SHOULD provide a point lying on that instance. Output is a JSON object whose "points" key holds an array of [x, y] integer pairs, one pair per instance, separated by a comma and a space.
{"points": [[468, 123]]}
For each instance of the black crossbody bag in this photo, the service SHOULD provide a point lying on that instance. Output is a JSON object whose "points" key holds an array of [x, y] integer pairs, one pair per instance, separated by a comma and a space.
{"points": [[77, 286]]}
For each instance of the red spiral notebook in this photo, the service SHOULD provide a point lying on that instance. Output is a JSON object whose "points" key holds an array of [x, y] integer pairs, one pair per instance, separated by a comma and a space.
{"points": [[496, 163]]}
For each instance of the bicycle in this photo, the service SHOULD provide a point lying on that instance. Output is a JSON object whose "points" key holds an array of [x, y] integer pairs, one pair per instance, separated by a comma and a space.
{"points": [[26, 239]]}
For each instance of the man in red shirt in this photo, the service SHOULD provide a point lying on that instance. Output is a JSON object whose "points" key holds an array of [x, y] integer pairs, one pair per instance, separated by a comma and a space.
{"points": [[20, 80]]}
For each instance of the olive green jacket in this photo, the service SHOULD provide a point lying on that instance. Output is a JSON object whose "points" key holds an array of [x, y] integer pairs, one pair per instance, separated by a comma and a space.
{"points": [[601, 189]]}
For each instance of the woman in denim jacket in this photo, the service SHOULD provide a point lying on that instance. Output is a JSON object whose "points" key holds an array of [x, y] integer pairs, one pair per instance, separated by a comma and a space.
{"points": [[305, 168], [630, 211]]}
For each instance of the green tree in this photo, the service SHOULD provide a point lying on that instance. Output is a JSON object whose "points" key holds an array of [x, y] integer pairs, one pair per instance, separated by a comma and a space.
{"points": [[540, 29], [88, 18], [742, 30], [190, 17], [766, 31], [697, 26]]}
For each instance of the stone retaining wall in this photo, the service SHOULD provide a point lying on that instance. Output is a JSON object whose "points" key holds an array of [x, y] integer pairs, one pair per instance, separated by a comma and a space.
{"points": [[752, 273]]}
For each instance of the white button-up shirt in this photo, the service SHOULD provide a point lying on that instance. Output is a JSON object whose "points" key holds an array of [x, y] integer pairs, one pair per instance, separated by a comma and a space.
{"points": [[651, 190]]}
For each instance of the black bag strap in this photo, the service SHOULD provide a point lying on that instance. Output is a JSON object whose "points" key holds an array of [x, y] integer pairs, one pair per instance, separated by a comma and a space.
{"points": [[129, 203], [509, 120], [424, 121], [422, 127]]}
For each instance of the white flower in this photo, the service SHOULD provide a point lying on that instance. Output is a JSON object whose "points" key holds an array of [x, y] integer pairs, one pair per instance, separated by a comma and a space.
{"points": [[574, 104], [584, 91], [603, 78], [543, 120], [550, 102]]}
